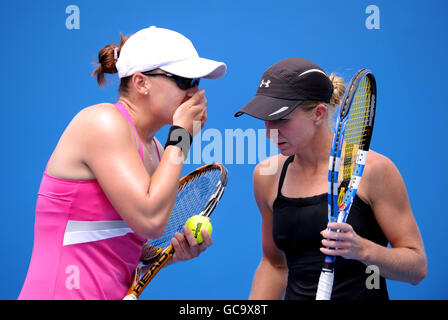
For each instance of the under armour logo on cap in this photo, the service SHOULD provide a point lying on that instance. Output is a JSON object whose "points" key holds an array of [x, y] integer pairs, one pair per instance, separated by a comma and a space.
{"points": [[265, 83], [292, 82]]}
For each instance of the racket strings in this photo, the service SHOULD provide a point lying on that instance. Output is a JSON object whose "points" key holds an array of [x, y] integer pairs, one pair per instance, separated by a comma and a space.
{"points": [[356, 128], [192, 197]]}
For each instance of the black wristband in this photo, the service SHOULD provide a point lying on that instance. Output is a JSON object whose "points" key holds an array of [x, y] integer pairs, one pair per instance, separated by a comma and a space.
{"points": [[180, 138]]}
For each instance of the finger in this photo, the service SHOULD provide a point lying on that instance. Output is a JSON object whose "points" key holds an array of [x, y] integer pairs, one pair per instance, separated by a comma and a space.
{"points": [[198, 111], [203, 119], [327, 252], [333, 235], [207, 240], [199, 95], [202, 100], [191, 246], [179, 246], [345, 227], [332, 252], [196, 98], [336, 244], [192, 242]]}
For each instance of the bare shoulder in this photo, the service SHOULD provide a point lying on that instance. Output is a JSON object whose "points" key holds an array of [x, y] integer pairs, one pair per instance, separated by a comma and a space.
{"points": [[102, 126], [100, 121], [265, 179], [384, 179], [100, 115], [379, 166], [267, 170], [93, 129]]}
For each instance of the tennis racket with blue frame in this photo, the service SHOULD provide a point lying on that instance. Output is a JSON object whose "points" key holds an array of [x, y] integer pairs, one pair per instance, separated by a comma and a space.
{"points": [[349, 150]]}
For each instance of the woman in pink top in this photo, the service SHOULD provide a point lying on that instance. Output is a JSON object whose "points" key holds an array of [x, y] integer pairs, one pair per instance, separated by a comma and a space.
{"points": [[109, 185]]}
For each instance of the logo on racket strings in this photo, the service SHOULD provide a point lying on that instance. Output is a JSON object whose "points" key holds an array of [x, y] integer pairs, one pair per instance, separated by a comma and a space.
{"points": [[341, 198]]}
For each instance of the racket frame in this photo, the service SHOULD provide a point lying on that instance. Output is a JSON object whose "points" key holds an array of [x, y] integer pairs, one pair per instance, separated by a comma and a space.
{"points": [[140, 283], [340, 213]]}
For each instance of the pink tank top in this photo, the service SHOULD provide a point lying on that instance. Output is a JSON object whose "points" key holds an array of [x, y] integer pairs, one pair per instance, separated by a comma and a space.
{"points": [[82, 247]]}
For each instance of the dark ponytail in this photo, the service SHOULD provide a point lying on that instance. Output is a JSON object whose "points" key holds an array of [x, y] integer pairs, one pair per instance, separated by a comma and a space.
{"points": [[107, 58]]}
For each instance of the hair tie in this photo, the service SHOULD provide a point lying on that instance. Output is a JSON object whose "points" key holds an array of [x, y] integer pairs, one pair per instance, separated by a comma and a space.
{"points": [[116, 54]]}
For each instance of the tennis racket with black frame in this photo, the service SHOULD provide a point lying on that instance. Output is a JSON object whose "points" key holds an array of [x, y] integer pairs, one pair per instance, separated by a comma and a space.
{"points": [[349, 150], [198, 193]]}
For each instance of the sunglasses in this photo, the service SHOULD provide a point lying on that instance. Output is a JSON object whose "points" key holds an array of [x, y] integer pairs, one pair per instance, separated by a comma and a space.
{"points": [[182, 83]]}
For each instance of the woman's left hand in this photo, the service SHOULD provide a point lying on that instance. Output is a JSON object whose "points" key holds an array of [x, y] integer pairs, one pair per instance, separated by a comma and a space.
{"points": [[345, 243], [186, 246]]}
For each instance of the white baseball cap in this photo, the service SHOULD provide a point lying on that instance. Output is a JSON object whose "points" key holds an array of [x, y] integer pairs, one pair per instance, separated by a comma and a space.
{"points": [[157, 48]]}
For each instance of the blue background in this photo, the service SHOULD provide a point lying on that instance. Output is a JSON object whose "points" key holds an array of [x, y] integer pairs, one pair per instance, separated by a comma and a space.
{"points": [[46, 80]]}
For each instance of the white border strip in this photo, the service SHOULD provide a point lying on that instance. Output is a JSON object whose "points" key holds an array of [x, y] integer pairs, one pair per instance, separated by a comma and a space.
{"points": [[89, 231]]}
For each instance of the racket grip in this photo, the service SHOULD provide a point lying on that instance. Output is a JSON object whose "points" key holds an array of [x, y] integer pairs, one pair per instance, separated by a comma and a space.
{"points": [[325, 285], [130, 297]]}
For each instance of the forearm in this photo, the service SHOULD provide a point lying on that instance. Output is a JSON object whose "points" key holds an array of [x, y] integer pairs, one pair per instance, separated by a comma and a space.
{"points": [[162, 189], [269, 282], [401, 264], [166, 177]]}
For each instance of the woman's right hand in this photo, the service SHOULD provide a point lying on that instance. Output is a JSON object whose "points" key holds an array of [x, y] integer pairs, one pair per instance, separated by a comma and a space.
{"points": [[192, 110]]}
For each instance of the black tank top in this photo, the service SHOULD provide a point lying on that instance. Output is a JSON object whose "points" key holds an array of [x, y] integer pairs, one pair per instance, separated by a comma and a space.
{"points": [[296, 230]]}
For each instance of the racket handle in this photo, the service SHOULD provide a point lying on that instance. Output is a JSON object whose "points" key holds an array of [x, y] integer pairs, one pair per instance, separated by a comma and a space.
{"points": [[325, 286], [136, 289], [130, 297]]}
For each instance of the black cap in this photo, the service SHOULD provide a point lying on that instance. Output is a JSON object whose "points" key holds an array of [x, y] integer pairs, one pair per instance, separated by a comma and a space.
{"points": [[286, 85]]}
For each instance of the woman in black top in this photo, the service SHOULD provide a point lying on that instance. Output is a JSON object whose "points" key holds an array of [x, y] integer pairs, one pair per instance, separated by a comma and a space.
{"points": [[297, 101]]}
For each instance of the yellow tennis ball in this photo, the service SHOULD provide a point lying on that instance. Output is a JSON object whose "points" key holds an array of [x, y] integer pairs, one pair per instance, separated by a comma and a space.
{"points": [[196, 224]]}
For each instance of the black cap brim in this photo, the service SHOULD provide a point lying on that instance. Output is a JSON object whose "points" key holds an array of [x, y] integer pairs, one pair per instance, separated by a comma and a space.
{"points": [[267, 108]]}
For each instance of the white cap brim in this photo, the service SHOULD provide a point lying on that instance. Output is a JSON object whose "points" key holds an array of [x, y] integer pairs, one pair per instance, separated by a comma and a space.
{"points": [[196, 68]]}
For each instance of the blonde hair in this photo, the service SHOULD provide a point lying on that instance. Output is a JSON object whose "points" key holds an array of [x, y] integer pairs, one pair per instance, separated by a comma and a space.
{"points": [[339, 87]]}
